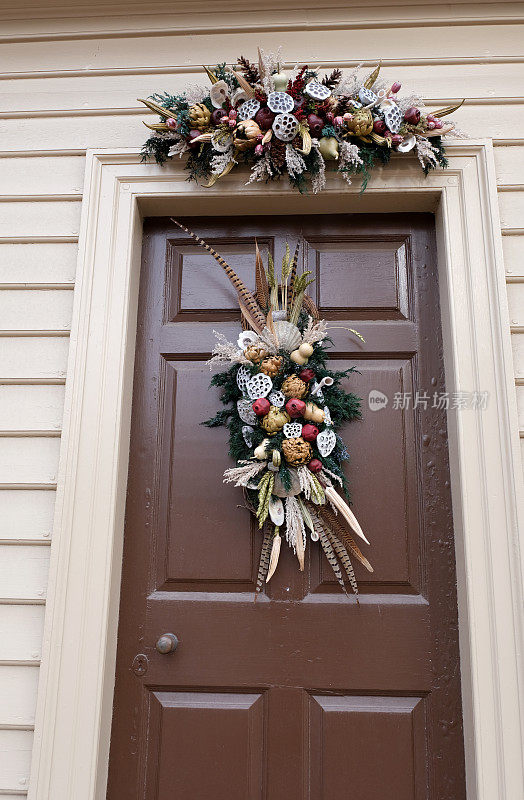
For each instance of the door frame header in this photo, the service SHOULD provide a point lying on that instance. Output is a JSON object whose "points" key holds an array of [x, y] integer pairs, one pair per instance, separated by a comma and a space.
{"points": [[77, 675]]}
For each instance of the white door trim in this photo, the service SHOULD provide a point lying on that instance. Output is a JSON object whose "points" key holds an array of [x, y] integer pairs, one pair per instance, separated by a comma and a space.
{"points": [[76, 684]]}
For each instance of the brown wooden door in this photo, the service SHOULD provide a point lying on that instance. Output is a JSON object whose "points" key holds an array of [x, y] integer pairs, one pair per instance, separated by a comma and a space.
{"points": [[303, 695]]}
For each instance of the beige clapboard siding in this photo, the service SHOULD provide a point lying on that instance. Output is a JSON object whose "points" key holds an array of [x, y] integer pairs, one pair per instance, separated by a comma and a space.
{"points": [[28, 459], [517, 340], [15, 760], [23, 571], [26, 514], [505, 40], [520, 406], [39, 218], [513, 247], [59, 91], [509, 165], [56, 175], [516, 304], [52, 262], [31, 408], [511, 208], [33, 358], [18, 687], [36, 309], [21, 633]]}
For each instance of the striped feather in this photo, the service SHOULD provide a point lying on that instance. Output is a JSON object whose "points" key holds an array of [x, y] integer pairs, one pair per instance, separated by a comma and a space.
{"points": [[246, 314], [261, 279], [242, 290], [293, 275], [310, 307], [344, 558], [344, 536], [263, 565], [328, 548]]}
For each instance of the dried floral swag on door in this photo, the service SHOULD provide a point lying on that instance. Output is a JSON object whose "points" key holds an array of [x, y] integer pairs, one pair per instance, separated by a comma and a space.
{"points": [[293, 124], [283, 408]]}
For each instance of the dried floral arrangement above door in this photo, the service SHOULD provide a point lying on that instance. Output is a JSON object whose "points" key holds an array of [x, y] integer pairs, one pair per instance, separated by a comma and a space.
{"points": [[295, 124], [283, 408]]}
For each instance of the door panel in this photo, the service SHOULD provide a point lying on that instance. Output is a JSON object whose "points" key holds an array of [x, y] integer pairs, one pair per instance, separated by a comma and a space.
{"points": [[303, 695]]}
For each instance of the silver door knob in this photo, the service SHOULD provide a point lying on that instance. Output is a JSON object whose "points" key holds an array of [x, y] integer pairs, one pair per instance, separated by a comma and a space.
{"points": [[167, 643]]}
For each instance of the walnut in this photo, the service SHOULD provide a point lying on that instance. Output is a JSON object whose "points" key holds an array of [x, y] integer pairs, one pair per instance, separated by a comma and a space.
{"points": [[270, 366], [296, 451], [294, 387]]}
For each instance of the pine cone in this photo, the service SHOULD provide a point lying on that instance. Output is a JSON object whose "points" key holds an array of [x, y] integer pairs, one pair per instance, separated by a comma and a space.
{"points": [[270, 366], [250, 70], [331, 81], [294, 387], [278, 154], [199, 116], [296, 451]]}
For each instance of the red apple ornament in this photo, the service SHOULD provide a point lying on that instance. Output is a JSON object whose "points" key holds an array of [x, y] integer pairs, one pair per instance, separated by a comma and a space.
{"points": [[306, 375], [295, 408], [261, 406], [315, 465], [309, 432]]}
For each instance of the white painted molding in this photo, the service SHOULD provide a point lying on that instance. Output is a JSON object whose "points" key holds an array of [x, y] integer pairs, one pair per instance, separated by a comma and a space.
{"points": [[76, 683]]}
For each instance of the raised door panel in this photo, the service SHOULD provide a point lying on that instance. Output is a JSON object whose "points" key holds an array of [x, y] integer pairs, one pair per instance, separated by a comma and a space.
{"points": [[206, 745], [370, 748], [205, 543]]}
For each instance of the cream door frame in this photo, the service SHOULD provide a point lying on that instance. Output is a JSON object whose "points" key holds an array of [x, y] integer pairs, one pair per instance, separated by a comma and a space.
{"points": [[76, 685]]}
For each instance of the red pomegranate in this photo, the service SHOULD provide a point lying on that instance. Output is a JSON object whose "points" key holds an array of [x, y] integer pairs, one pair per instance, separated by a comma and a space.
{"points": [[264, 118], [295, 408], [261, 406], [315, 465], [306, 375], [316, 124], [309, 432]]}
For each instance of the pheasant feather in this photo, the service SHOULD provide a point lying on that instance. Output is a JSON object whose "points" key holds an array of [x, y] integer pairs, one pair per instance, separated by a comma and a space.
{"points": [[344, 536], [263, 565], [345, 560], [261, 279], [328, 549], [242, 290]]}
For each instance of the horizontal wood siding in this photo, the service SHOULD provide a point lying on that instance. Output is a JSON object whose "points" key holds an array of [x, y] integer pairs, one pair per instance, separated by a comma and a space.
{"points": [[71, 83]]}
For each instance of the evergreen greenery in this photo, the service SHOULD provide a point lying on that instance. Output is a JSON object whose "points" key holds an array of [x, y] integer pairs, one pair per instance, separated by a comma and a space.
{"points": [[343, 407]]}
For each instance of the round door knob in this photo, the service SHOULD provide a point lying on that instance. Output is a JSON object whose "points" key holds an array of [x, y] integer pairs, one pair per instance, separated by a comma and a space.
{"points": [[167, 643]]}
